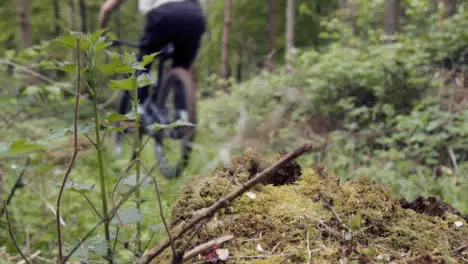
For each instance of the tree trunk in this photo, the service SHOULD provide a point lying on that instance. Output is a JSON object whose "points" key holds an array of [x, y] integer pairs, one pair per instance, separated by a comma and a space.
{"points": [[84, 27], [24, 24], [271, 35], [71, 15], [290, 28], [391, 18], [56, 5], [225, 43], [349, 13], [271, 25], [449, 8]]}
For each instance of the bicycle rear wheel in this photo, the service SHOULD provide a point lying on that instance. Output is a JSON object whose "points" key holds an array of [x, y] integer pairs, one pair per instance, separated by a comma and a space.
{"points": [[177, 100]]}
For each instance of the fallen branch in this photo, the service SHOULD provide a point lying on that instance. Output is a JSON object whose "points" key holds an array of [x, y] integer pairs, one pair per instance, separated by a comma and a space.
{"points": [[206, 246], [460, 249], [226, 200], [75, 152], [35, 74], [309, 253], [33, 256], [12, 234], [18, 184]]}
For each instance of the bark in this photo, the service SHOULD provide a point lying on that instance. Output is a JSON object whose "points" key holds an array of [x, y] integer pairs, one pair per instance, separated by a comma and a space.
{"points": [[271, 25], [56, 5], [349, 13], [71, 23], [391, 18], [271, 35], [24, 24], [449, 8], [84, 27], [225, 43], [290, 27]]}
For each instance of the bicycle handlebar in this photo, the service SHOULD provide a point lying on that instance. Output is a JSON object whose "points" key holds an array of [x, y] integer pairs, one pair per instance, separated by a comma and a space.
{"points": [[118, 42], [167, 50]]}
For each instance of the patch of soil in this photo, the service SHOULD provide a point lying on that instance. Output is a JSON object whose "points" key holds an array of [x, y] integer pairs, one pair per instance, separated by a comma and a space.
{"points": [[431, 206]]}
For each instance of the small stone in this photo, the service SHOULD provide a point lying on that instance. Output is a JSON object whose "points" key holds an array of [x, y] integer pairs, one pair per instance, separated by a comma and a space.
{"points": [[222, 253]]}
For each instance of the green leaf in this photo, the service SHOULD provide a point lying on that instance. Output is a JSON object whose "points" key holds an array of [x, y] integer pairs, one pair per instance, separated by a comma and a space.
{"points": [[98, 248], [178, 123], [115, 118], [66, 67], [128, 84], [356, 221], [156, 228], [22, 146], [96, 35], [147, 59], [79, 188], [70, 41], [144, 80], [101, 45], [131, 181], [115, 67], [4, 148], [127, 216]]}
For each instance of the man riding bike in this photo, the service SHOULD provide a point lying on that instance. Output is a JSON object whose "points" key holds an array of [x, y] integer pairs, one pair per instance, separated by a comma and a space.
{"points": [[177, 22]]}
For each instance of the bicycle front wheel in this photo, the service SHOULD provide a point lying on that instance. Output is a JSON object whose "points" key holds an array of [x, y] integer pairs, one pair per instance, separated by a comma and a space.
{"points": [[177, 100]]}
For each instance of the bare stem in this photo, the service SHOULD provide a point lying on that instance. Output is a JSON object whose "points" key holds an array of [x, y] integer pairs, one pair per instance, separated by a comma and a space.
{"points": [[75, 152], [17, 185], [12, 234], [163, 219], [226, 200], [137, 153]]}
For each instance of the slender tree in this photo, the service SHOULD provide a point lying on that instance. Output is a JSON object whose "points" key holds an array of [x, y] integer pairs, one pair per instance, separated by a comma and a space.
{"points": [[56, 6], [271, 34], [391, 17], [449, 8], [22, 7], [349, 13], [290, 28], [225, 43], [82, 4]]}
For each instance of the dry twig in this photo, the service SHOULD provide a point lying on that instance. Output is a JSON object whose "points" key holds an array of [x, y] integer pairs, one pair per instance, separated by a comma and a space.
{"points": [[226, 200], [12, 234], [163, 219], [309, 253], [33, 256], [18, 184], [206, 246], [75, 152]]}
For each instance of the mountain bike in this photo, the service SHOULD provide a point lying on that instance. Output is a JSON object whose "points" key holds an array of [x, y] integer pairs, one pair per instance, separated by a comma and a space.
{"points": [[173, 102]]}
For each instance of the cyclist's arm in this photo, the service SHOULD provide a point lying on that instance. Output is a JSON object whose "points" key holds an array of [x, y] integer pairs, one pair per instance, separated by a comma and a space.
{"points": [[106, 11]]}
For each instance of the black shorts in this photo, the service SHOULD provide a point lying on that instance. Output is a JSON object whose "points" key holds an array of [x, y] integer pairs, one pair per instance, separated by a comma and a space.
{"points": [[180, 23]]}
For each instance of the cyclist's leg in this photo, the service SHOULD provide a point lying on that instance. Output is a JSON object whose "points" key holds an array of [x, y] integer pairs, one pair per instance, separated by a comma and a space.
{"points": [[154, 37], [190, 28]]}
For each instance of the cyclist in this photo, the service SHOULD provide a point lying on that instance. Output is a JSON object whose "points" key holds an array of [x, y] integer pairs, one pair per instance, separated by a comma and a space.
{"points": [[177, 22]]}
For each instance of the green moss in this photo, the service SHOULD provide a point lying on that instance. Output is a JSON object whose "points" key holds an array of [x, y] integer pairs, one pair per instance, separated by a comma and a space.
{"points": [[280, 217]]}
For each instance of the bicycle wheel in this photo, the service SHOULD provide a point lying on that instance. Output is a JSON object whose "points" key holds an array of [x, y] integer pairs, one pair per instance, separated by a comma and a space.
{"points": [[177, 101]]}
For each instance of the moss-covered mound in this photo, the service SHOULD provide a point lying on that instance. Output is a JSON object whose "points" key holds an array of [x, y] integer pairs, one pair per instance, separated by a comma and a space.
{"points": [[303, 215]]}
